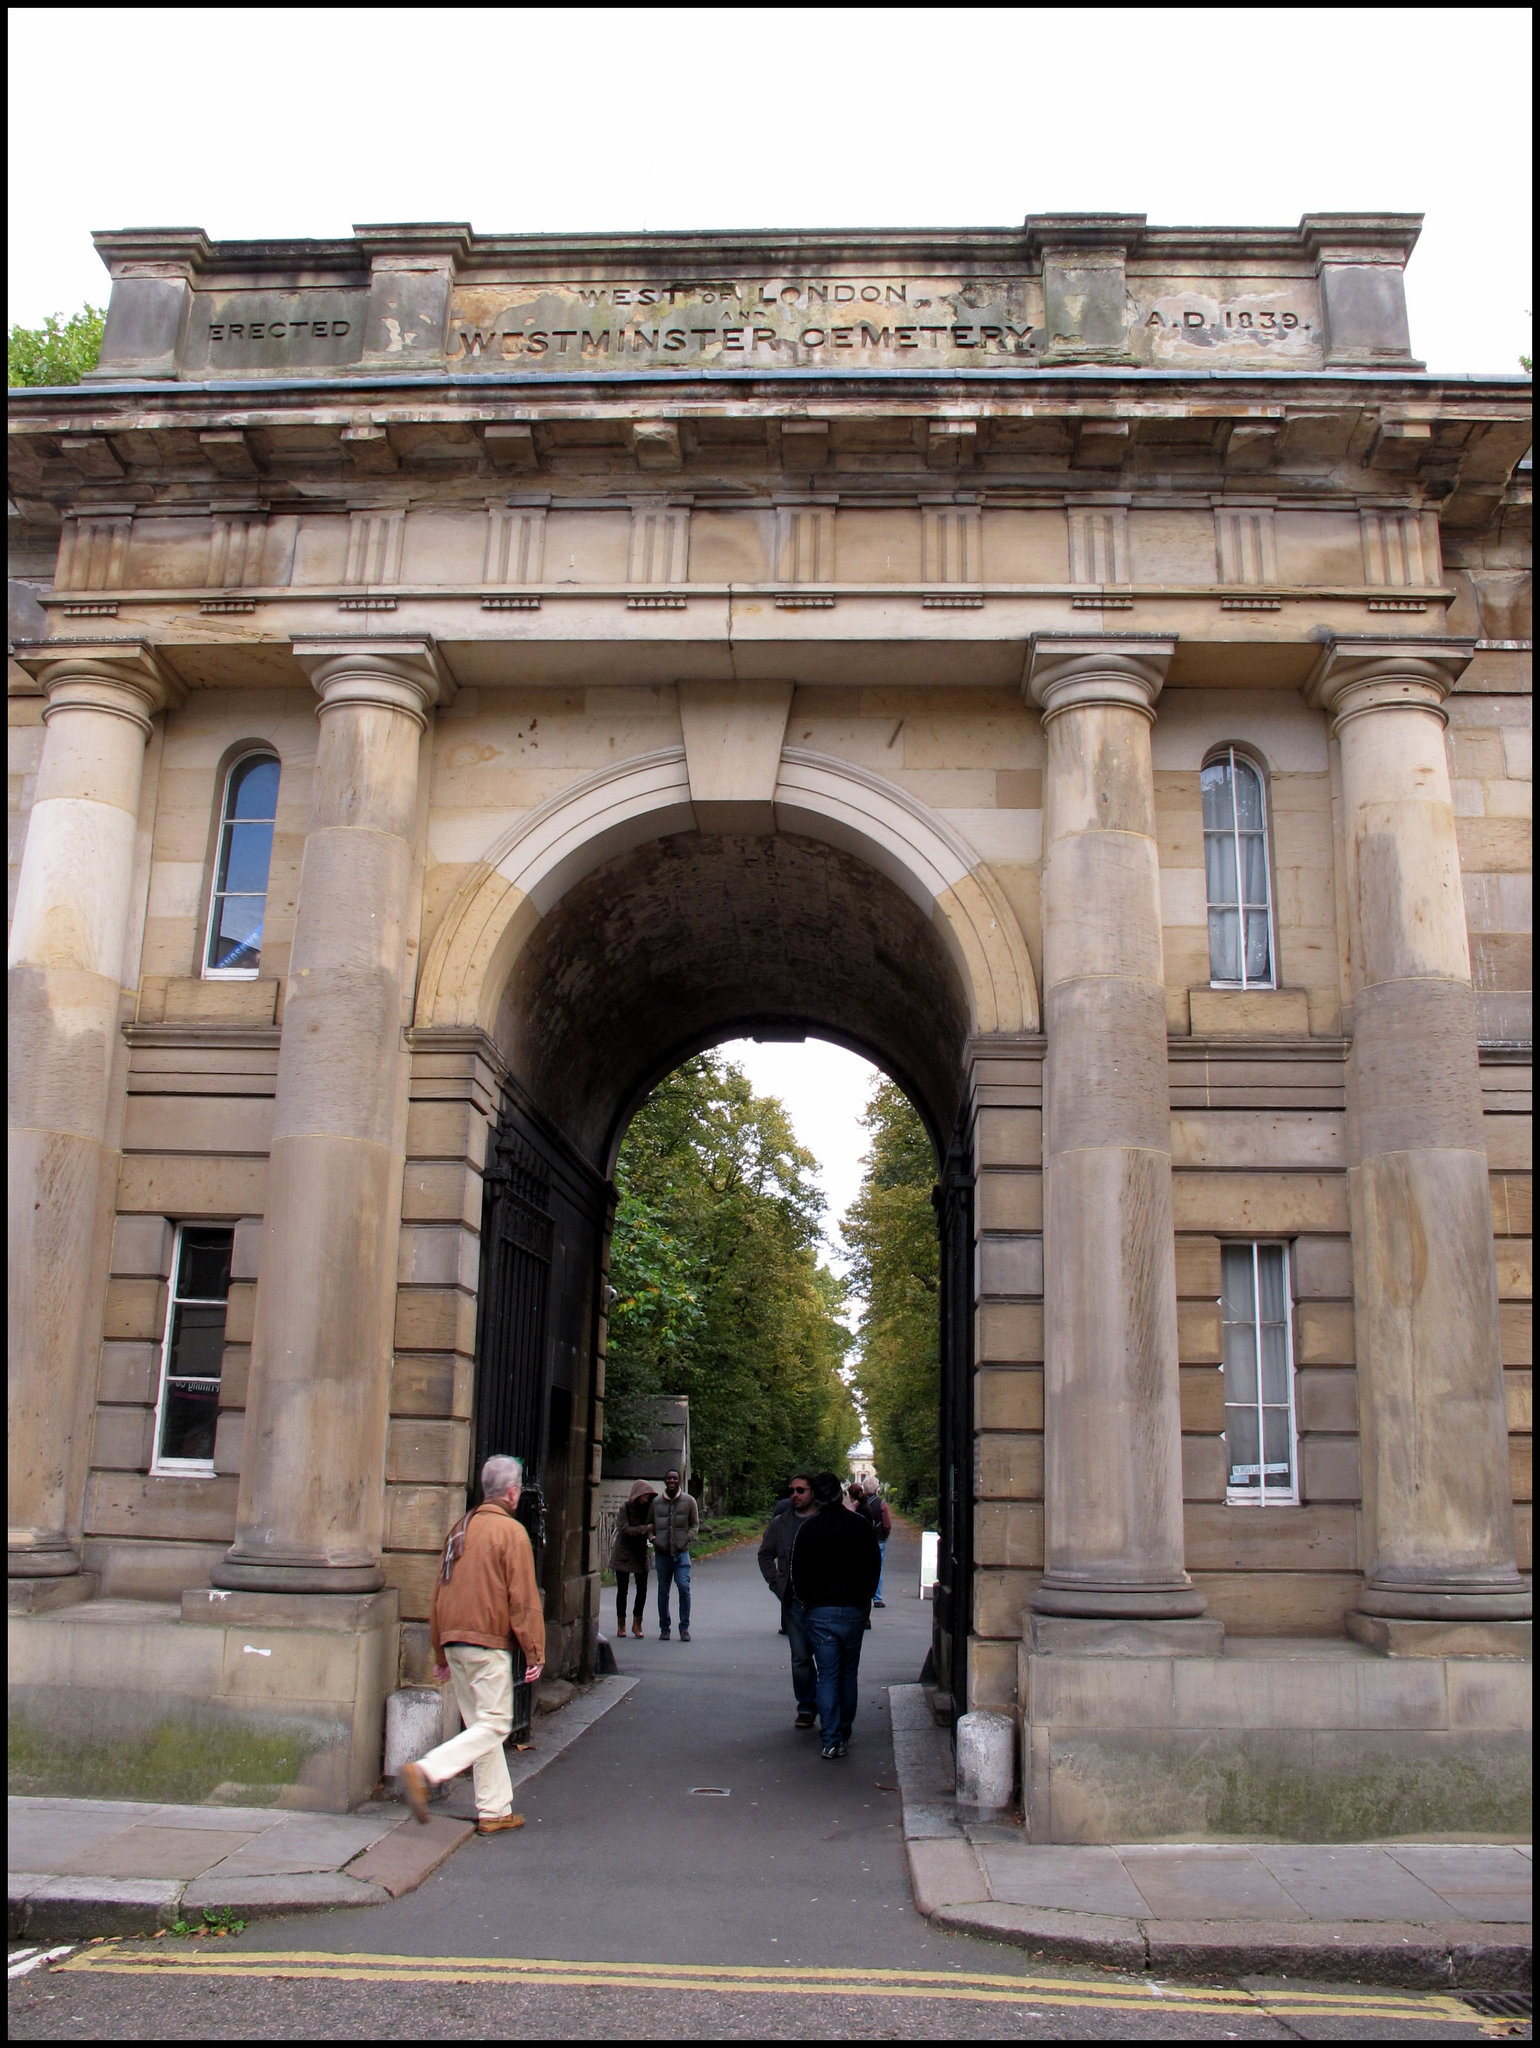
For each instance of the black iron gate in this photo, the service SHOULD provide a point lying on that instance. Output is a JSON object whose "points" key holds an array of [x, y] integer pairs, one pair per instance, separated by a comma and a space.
{"points": [[511, 1348], [954, 1588]]}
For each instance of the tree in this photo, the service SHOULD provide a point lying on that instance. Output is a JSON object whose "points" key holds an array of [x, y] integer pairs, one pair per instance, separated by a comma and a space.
{"points": [[719, 1291], [58, 352], [891, 1231]]}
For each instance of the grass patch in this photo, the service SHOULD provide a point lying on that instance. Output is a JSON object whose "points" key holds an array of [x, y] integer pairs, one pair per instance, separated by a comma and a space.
{"points": [[176, 1761]]}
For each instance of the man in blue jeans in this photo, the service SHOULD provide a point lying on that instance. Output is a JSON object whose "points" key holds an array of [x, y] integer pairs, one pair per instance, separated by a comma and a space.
{"points": [[775, 1565], [835, 1564], [675, 1519]]}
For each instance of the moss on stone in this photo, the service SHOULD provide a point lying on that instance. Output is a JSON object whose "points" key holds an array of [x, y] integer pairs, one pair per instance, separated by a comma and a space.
{"points": [[172, 1761]]}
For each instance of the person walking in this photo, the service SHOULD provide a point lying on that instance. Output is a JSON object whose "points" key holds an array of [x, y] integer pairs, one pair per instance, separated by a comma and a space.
{"points": [[880, 1515], [775, 1567], [486, 1605], [835, 1562], [675, 1519], [628, 1554]]}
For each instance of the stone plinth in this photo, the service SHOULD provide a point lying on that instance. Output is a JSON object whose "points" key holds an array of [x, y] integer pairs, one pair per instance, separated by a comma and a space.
{"points": [[1277, 1739], [283, 1696]]}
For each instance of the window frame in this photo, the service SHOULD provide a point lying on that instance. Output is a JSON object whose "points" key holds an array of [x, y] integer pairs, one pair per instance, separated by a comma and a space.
{"points": [[162, 1467], [1264, 1496], [1232, 753], [213, 893]]}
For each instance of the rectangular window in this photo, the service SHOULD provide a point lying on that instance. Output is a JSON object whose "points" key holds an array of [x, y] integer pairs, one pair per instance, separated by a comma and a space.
{"points": [[1261, 1458], [193, 1353]]}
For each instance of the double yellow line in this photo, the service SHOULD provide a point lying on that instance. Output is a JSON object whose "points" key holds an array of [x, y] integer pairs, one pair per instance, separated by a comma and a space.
{"points": [[739, 1980]]}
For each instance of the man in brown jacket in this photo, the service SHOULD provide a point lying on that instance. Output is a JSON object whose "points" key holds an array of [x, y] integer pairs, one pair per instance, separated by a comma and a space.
{"points": [[485, 1601]]}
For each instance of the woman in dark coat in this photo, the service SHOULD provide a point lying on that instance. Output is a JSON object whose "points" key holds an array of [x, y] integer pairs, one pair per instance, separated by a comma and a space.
{"points": [[628, 1554]]}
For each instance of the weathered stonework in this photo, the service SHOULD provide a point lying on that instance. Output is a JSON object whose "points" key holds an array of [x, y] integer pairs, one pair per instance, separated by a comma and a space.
{"points": [[668, 638]]}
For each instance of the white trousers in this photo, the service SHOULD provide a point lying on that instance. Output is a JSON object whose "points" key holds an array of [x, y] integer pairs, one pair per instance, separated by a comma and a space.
{"points": [[483, 1685]]}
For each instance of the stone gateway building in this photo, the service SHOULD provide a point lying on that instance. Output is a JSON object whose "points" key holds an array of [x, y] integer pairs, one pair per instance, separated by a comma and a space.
{"points": [[1084, 668]]}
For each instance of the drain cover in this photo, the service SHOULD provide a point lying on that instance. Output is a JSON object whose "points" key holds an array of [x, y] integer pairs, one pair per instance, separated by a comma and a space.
{"points": [[1499, 2005]]}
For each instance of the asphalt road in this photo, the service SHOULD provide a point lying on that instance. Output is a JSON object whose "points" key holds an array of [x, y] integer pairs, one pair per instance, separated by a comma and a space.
{"points": [[693, 1861]]}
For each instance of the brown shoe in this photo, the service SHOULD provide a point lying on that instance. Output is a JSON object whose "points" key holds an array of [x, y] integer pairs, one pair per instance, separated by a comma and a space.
{"points": [[496, 1827], [416, 1781], [636, 1628]]}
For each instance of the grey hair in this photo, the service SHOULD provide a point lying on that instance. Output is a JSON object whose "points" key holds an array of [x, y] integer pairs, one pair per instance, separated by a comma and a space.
{"points": [[498, 1474]]}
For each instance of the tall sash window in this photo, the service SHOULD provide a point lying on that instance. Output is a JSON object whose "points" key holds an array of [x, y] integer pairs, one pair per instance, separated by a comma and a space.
{"points": [[1238, 868], [238, 908]]}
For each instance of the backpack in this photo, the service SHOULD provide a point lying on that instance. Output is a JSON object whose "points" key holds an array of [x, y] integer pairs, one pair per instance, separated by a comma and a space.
{"points": [[871, 1507]]}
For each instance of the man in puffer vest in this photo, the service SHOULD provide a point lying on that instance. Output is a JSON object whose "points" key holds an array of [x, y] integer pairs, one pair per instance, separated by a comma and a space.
{"points": [[486, 1601], [675, 1519]]}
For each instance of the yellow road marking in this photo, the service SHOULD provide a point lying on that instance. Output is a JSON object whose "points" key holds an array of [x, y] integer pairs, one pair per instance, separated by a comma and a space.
{"points": [[113, 1957]]}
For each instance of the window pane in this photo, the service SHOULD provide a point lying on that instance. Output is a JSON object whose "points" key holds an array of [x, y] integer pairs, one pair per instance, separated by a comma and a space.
{"points": [[187, 1425], [1254, 866], [1270, 1273], [1258, 963], [1248, 797], [197, 1341], [1241, 1443], [236, 940], [1275, 1438], [1237, 1299], [248, 854], [1224, 948], [1219, 866], [204, 1271], [1217, 815], [253, 789]]}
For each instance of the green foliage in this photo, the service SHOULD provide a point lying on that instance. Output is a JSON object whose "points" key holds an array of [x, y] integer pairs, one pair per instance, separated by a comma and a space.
{"points": [[891, 1231], [215, 1920], [58, 352], [720, 1295]]}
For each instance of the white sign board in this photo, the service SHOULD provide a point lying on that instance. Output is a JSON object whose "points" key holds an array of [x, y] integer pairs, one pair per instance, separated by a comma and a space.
{"points": [[930, 1562]]}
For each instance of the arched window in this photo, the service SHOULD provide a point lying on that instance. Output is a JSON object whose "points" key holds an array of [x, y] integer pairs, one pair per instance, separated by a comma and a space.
{"points": [[239, 902], [1235, 857]]}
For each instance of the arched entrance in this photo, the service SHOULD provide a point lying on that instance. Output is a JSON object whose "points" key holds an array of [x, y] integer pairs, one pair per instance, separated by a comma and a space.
{"points": [[609, 939]]}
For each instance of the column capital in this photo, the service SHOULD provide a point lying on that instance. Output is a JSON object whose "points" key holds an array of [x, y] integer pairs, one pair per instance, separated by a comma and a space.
{"points": [[406, 674], [125, 678], [1361, 673], [1067, 671]]}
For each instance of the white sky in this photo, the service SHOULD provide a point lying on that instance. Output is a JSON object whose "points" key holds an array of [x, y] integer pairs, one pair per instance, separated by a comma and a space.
{"points": [[823, 1089], [286, 121]]}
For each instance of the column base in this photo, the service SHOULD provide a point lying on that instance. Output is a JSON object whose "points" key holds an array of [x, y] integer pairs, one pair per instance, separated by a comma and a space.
{"points": [[46, 1560], [42, 1596], [1106, 1600], [1501, 1599], [1396, 1638], [1069, 1635], [296, 1575]]}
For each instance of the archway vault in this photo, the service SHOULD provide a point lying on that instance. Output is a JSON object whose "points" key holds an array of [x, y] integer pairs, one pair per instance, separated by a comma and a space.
{"points": [[875, 841]]}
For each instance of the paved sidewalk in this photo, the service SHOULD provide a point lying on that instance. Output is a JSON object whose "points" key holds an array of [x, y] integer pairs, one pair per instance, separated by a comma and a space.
{"points": [[1425, 1914], [103, 1866]]}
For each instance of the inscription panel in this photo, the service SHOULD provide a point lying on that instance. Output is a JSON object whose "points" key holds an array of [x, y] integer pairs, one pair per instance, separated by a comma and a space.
{"points": [[856, 322], [807, 323], [242, 331]]}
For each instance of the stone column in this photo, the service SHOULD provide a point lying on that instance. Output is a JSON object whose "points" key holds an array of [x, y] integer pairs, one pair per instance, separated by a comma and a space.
{"points": [[66, 973], [311, 1505], [1112, 1425], [1438, 1515]]}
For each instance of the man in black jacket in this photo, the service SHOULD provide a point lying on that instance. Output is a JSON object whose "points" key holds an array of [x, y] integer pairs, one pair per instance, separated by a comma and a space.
{"points": [[835, 1565]]}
